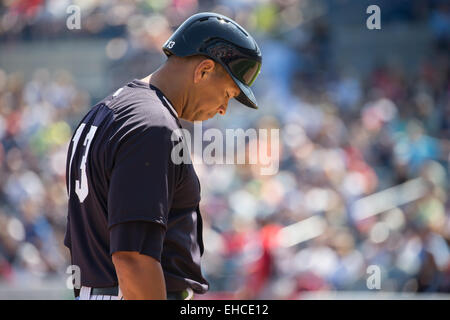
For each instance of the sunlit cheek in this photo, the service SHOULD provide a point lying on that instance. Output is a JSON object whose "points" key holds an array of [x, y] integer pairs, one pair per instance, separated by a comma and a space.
{"points": [[211, 103]]}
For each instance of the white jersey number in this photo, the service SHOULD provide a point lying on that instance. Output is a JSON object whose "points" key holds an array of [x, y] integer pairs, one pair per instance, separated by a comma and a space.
{"points": [[81, 185]]}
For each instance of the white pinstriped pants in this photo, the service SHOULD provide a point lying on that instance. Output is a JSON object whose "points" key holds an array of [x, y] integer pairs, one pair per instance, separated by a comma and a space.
{"points": [[85, 294]]}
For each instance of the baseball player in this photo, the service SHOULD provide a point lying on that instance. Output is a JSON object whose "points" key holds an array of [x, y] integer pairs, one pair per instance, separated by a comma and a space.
{"points": [[134, 227]]}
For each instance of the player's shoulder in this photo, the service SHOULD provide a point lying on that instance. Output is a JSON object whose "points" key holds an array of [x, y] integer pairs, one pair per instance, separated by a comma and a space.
{"points": [[140, 115], [137, 104]]}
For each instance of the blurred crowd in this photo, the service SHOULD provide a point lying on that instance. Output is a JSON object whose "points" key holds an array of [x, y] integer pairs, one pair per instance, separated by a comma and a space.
{"points": [[343, 137], [37, 115]]}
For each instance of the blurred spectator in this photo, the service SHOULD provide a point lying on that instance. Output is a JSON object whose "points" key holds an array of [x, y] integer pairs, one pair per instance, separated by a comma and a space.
{"points": [[343, 136]]}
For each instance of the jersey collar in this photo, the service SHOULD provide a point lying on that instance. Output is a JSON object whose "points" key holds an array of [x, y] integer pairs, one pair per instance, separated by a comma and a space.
{"points": [[164, 100]]}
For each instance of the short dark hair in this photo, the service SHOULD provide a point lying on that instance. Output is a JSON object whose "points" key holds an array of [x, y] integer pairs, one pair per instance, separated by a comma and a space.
{"points": [[219, 69]]}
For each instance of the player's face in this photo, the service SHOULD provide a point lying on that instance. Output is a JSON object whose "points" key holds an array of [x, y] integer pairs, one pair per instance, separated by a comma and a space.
{"points": [[213, 94]]}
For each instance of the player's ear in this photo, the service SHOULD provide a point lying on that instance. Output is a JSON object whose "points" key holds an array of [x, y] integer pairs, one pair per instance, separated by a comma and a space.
{"points": [[203, 70]]}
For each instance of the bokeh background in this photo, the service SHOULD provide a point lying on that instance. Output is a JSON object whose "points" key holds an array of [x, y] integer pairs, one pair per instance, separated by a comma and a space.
{"points": [[364, 119]]}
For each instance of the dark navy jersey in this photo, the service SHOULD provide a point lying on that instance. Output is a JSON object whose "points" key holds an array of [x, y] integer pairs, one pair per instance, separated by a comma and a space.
{"points": [[126, 194]]}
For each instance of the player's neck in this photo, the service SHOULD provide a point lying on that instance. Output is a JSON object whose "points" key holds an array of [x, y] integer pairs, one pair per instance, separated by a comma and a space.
{"points": [[171, 87]]}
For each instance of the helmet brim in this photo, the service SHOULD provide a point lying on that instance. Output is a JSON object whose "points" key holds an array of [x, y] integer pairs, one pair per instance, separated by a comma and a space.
{"points": [[246, 96]]}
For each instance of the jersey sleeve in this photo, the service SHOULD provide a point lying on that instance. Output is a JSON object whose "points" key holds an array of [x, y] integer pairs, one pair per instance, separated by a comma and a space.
{"points": [[144, 237], [142, 178]]}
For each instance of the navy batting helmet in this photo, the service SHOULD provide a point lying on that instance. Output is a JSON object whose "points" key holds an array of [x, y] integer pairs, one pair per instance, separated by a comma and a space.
{"points": [[224, 41]]}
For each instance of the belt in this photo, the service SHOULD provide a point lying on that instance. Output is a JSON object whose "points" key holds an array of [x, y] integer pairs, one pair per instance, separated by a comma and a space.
{"points": [[114, 291], [108, 291]]}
